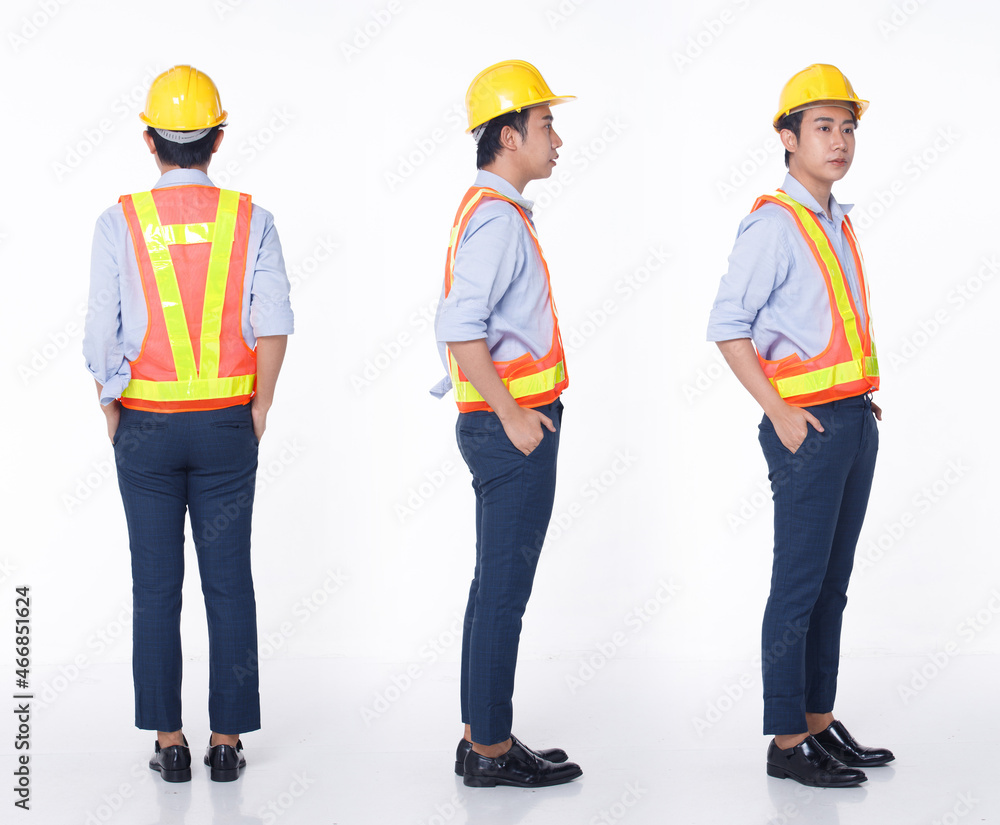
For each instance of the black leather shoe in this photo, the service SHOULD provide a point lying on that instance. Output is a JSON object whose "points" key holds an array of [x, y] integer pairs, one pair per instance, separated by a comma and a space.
{"points": [[555, 755], [809, 764], [173, 763], [837, 742], [520, 767], [225, 761]]}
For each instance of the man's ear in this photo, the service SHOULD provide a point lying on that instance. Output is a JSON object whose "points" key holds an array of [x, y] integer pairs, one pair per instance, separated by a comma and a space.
{"points": [[510, 139], [788, 140], [218, 141], [149, 142]]}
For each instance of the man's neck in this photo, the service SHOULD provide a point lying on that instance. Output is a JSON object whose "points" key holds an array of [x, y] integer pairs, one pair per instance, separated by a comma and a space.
{"points": [[820, 190], [503, 170]]}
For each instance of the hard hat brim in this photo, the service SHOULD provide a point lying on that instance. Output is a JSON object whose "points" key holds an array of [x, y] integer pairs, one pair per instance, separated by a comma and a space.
{"points": [[548, 101], [858, 105], [214, 122]]}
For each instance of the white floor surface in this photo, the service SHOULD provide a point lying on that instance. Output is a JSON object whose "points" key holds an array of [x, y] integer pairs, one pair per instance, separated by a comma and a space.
{"points": [[634, 728]]}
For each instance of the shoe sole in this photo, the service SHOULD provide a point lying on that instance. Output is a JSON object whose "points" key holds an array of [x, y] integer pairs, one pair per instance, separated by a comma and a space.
{"points": [[459, 768], [492, 781], [779, 773], [183, 775], [220, 775], [878, 764]]}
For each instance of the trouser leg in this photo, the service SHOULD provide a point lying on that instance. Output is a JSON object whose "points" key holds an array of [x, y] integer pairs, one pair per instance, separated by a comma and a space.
{"points": [[516, 494], [151, 478], [221, 493], [823, 639], [809, 489]]}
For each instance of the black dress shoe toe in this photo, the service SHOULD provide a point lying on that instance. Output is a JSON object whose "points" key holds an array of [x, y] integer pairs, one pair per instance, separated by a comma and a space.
{"points": [[556, 755], [520, 767], [225, 761], [837, 742], [173, 763], [809, 764]]}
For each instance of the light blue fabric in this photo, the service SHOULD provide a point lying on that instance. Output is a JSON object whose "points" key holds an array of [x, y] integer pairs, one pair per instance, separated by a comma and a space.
{"points": [[774, 292], [117, 317], [499, 291]]}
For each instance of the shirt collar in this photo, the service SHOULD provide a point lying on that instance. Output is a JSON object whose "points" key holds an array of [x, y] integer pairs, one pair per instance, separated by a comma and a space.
{"points": [[504, 187], [184, 177], [797, 191]]}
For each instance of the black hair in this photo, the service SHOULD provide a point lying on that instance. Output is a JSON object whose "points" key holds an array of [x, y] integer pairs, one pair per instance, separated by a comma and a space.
{"points": [[792, 122], [185, 155], [489, 144]]}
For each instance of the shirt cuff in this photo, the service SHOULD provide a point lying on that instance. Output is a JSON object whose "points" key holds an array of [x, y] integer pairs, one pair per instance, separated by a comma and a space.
{"points": [[442, 387]]}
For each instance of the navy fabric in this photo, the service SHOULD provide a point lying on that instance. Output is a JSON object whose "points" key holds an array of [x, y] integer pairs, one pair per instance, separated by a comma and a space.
{"points": [[514, 495], [203, 463], [820, 496]]}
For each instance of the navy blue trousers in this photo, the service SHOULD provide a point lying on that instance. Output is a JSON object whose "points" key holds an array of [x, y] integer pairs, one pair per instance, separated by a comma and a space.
{"points": [[820, 496], [514, 495], [203, 463]]}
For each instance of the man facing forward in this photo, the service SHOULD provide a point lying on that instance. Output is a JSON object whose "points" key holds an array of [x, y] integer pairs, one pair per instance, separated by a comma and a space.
{"points": [[796, 290]]}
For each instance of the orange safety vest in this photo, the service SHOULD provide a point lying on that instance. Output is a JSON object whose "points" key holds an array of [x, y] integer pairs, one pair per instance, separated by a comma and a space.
{"points": [[849, 365], [532, 383], [191, 246]]}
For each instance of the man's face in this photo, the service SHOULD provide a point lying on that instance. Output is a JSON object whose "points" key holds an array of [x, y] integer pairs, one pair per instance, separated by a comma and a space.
{"points": [[537, 153], [825, 146]]}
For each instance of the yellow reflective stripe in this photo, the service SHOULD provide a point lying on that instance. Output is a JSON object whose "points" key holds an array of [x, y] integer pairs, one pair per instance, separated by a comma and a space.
{"points": [[184, 233], [829, 257], [215, 283], [821, 379], [535, 384], [166, 284], [197, 389]]}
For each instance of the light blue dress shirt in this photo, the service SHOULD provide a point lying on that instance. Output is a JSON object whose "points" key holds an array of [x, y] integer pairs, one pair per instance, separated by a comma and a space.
{"points": [[774, 292], [499, 291], [117, 318]]}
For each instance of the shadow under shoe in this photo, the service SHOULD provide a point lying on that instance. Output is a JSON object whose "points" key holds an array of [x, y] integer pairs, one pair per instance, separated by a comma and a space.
{"points": [[808, 764], [555, 755], [837, 742], [520, 767], [173, 763], [225, 761]]}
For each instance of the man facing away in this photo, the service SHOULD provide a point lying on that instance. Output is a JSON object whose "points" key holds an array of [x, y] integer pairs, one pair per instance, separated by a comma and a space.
{"points": [[498, 335], [189, 318], [797, 288]]}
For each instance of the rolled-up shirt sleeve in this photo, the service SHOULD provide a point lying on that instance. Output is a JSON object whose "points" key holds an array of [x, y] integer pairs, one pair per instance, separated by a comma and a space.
{"points": [[270, 306], [103, 339], [758, 264], [485, 264]]}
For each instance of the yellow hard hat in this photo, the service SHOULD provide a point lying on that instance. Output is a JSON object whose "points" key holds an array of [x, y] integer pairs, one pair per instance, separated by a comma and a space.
{"points": [[183, 99], [508, 86], [818, 82]]}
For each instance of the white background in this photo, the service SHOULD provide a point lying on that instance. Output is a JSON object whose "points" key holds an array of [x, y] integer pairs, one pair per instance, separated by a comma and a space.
{"points": [[356, 143]]}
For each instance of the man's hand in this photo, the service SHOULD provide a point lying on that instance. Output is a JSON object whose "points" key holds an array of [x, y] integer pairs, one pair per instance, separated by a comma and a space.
{"points": [[524, 428], [112, 414], [259, 415], [877, 410], [791, 424]]}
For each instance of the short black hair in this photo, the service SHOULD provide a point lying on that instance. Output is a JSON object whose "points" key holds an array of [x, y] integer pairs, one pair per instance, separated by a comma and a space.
{"points": [[489, 144], [185, 155], [792, 122]]}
